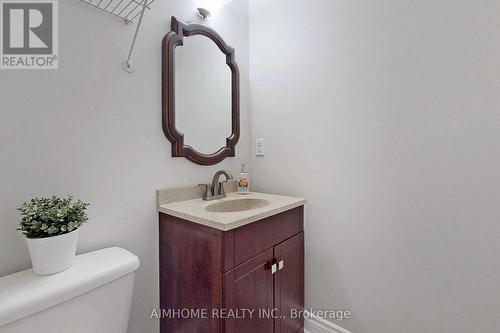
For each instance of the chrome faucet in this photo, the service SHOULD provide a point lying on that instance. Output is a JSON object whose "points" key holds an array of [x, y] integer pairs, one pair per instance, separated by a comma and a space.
{"points": [[215, 190]]}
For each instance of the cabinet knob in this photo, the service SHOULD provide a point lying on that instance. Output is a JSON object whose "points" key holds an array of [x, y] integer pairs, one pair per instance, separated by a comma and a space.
{"points": [[272, 266], [281, 264]]}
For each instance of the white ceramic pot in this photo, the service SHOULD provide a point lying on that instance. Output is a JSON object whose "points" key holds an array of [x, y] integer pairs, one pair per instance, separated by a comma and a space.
{"points": [[53, 254]]}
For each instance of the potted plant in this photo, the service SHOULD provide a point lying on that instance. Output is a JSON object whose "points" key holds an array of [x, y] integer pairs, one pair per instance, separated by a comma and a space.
{"points": [[51, 229]]}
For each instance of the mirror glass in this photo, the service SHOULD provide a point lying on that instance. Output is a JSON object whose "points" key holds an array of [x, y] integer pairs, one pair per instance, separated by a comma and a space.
{"points": [[202, 94]]}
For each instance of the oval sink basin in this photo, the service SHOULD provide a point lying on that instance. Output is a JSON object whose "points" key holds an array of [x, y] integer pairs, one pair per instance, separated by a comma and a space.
{"points": [[236, 205]]}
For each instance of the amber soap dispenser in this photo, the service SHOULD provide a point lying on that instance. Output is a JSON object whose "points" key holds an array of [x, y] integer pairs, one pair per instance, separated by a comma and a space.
{"points": [[243, 182]]}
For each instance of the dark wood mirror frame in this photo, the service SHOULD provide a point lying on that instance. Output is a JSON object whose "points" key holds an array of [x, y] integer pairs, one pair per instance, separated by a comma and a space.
{"points": [[173, 39]]}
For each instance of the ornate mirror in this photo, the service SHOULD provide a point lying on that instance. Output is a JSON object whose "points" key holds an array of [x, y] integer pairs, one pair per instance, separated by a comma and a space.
{"points": [[200, 87]]}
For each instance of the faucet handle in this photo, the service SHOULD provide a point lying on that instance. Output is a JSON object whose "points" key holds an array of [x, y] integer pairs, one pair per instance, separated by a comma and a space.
{"points": [[207, 190]]}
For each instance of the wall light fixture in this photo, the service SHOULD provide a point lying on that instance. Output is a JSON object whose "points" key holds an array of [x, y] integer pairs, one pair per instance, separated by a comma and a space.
{"points": [[207, 8]]}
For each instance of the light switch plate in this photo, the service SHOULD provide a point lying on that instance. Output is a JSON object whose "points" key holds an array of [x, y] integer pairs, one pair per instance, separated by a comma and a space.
{"points": [[259, 147]]}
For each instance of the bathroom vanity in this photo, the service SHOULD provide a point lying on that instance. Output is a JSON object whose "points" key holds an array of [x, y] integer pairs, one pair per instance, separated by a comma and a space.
{"points": [[235, 264], [228, 263]]}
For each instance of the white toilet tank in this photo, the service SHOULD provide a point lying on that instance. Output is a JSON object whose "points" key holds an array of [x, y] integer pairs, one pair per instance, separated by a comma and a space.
{"points": [[93, 296]]}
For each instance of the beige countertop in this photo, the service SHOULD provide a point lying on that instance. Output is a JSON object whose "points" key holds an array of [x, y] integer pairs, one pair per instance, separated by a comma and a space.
{"points": [[194, 210]]}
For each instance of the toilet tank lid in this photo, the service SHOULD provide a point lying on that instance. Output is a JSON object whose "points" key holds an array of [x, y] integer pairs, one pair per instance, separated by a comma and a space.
{"points": [[24, 293]]}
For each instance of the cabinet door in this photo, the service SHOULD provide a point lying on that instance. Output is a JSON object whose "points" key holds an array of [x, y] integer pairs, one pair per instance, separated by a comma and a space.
{"points": [[250, 286], [289, 284]]}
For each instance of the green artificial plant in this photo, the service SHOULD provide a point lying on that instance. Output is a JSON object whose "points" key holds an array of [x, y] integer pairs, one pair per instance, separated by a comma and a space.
{"points": [[48, 217]]}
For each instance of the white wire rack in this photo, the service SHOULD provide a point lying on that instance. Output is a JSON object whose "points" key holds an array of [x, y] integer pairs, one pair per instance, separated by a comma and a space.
{"points": [[127, 10]]}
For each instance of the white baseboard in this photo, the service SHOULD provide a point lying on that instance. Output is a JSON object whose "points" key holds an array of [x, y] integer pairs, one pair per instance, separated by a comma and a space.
{"points": [[313, 324]]}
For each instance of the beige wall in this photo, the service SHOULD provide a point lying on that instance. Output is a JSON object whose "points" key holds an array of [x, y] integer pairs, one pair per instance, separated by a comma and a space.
{"points": [[385, 115], [91, 130]]}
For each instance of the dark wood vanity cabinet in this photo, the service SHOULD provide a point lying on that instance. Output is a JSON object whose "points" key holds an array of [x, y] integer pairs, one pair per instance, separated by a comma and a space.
{"points": [[210, 279]]}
